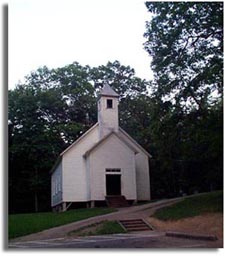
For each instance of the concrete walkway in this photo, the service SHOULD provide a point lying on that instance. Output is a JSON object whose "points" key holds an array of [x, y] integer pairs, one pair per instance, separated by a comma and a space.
{"points": [[139, 211]]}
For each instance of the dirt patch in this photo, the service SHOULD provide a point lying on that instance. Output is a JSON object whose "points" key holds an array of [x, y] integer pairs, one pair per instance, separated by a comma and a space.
{"points": [[210, 224], [85, 231], [101, 228]]}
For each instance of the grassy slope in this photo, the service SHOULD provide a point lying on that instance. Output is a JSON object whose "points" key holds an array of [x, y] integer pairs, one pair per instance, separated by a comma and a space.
{"points": [[192, 206], [24, 224], [109, 227], [102, 228]]}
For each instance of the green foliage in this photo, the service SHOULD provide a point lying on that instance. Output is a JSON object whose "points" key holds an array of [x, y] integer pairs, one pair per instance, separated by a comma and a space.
{"points": [[180, 123], [50, 111], [102, 228], [185, 41], [109, 227], [192, 206], [24, 224], [121, 78], [188, 152]]}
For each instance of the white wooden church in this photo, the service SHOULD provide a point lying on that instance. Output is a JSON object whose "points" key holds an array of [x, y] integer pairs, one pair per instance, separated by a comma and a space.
{"points": [[104, 165]]}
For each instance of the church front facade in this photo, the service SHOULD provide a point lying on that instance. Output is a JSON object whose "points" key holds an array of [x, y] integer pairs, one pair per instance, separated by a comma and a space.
{"points": [[105, 161]]}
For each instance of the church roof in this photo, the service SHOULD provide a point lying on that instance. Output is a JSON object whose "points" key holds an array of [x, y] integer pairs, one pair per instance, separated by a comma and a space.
{"points": [[59, 159], [121, 131], [80, 138], [108, 91], [132, 140]]}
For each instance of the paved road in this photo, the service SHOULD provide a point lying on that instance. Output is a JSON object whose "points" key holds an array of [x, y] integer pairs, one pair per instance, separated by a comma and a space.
{"points": [[137, 240], [58, 237]]}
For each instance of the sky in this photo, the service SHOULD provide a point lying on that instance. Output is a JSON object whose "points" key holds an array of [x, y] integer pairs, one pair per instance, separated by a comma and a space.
{"points": [[92, 32]]}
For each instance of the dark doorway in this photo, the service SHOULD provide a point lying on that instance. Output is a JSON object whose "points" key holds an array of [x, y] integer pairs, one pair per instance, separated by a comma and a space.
{"points": [[113, 185]]}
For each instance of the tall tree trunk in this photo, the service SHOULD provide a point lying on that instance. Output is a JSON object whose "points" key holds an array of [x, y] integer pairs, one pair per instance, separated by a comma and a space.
{"points": [[36, 201], [35, 192]]}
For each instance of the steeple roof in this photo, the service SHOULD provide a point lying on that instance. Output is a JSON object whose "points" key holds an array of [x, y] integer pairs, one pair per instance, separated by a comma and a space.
{"points": [[108, 91]]}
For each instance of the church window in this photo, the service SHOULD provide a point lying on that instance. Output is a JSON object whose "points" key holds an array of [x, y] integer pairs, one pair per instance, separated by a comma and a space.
{"points": [[109, 103]]}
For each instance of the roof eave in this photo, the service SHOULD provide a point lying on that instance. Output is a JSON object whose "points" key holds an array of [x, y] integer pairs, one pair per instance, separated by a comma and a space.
{"points": [[86, 154], [125, 133], [79, 139], [59, 159]]}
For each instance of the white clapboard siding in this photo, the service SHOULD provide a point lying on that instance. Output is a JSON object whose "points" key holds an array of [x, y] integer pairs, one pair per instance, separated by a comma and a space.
{"points": [[56, 185], [107, 117], [142, 168], [81, 174], [142, 176], [112, 153], [74, 169]]}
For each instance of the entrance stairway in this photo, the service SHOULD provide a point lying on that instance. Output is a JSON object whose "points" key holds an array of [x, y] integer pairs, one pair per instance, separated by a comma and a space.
{"points": [[134, 225], [116, 201]]}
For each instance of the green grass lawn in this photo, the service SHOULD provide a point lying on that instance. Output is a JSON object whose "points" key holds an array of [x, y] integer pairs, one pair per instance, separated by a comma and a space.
{"points": [[109, 227], [102, 228], [192, 206], [24, 224]]}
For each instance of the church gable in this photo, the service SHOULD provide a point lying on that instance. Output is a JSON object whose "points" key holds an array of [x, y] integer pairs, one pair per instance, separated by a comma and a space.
{"points": [[112, 151], [112, 158], [103, 155], [108, 140], [127, 138], [87, 140]]}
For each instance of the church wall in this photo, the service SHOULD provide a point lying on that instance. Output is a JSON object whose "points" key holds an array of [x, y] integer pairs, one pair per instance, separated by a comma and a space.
{"points": [[84, 179], [142, 171], [74, 169], [56, 185], [112, 153], [142, 175]]}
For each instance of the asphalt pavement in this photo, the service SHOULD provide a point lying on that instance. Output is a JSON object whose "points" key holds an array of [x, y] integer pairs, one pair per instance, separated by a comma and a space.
{"points": [[132, 212], [132, 240], [58, 237]]}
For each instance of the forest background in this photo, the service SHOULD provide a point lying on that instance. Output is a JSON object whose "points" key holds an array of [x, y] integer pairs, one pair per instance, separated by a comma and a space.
{"points": [[177, 116]]}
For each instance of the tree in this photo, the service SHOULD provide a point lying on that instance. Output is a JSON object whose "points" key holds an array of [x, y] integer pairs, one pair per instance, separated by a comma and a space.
{"points": [[48, 112], [121, 78], [185, 41], [33, 144]]}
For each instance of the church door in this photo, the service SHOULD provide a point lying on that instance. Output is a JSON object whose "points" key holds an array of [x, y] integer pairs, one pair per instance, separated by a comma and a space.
{"points": [[113, 184]]}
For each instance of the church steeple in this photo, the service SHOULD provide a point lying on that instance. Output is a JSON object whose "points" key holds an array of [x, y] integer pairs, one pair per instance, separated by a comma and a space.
{"points": [[108, 118]]}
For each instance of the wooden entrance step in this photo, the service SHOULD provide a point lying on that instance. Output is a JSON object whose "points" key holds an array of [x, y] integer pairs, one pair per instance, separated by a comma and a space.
{"points": [[116, 201], [135, 225]]}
